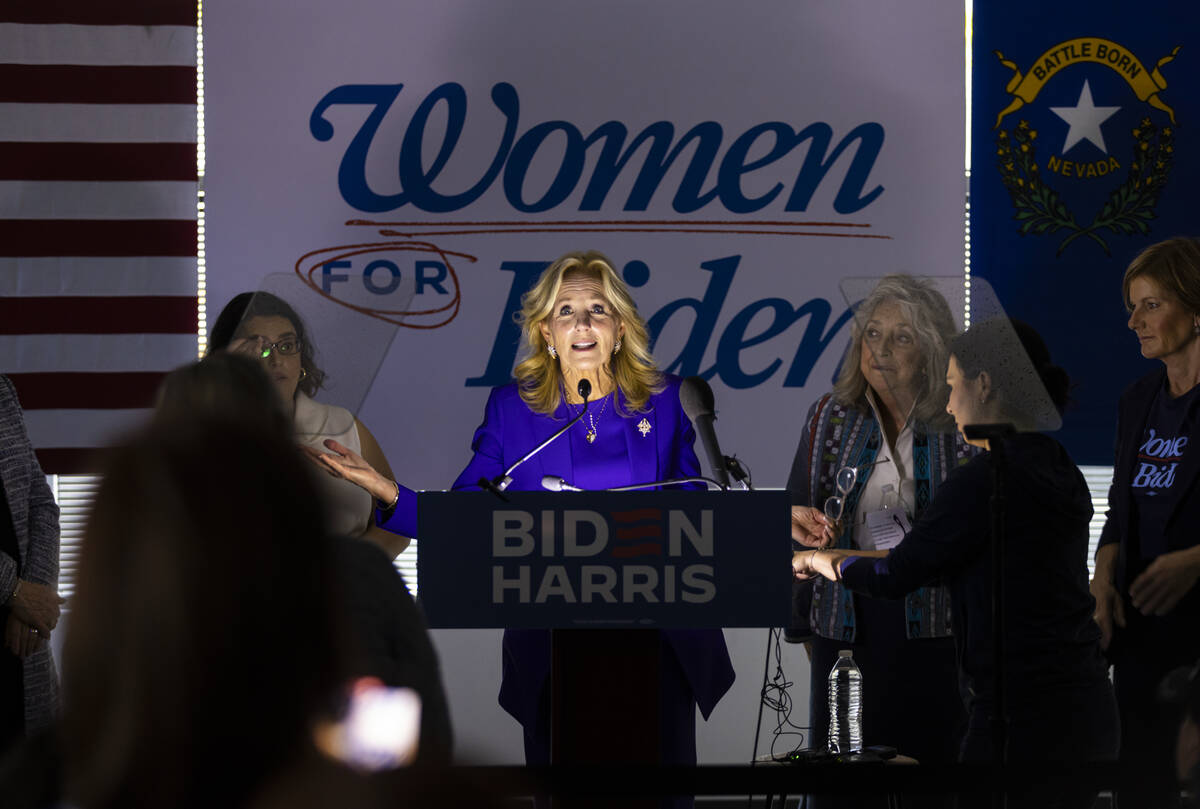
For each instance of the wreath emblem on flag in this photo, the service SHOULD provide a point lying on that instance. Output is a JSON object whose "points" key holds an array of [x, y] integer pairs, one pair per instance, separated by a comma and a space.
{"points": [[1039, 207]]}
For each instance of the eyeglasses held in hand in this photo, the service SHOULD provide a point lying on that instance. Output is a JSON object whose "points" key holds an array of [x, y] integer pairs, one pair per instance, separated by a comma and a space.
{"points": [[847, 479], [259, 348]]}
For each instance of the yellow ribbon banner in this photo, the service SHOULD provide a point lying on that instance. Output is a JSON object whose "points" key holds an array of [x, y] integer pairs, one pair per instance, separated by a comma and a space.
{"points": [[1145, 84]]}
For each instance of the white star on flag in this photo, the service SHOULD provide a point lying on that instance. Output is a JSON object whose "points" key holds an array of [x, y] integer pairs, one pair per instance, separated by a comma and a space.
{"points": [[1085, 119]]}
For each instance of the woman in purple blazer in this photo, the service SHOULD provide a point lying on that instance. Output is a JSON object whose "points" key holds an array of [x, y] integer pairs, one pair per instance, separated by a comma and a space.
{"points": [[580, 322]]}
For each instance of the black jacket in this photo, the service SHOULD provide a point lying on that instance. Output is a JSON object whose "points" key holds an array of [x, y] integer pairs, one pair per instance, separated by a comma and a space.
{"points": [[391, 640], [1052, 641]]}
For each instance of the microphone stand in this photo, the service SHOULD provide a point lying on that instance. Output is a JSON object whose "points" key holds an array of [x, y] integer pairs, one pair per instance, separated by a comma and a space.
{"points": [[738, 472], [498, 484], [995, 434], [554, 483], [671, 482]]}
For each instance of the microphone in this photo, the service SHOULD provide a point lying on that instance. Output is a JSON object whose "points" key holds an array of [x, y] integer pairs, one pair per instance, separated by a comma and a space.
{"points": [[654, 484], [502, 482], [697, 400], [554, 483]]}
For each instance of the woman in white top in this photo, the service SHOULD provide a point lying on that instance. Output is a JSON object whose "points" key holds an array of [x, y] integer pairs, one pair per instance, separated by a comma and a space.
{"points": [[266, 327], [871, 456]]}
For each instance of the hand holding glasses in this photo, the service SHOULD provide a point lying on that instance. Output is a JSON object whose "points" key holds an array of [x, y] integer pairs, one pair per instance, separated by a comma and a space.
{"points": [[847, 479]]}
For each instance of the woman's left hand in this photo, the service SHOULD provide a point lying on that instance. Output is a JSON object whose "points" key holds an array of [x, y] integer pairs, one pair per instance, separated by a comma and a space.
{"points": [[343, 462], [1167, 580], [20, 638], [808, 564]]}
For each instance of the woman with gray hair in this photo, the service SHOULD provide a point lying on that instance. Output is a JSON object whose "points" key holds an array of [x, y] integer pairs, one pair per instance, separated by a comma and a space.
{"points": [[872, 455]]}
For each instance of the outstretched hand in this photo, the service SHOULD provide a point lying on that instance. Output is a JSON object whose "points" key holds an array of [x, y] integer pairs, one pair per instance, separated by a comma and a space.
{"points": [[343, 462], [812, 528]]}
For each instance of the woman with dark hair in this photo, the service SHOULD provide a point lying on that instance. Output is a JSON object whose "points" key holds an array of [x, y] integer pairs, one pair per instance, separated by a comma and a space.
{"points": [[1148, 561], [881, 443], [267, 328], [385, 631], [1061, 706], [206, 637]]}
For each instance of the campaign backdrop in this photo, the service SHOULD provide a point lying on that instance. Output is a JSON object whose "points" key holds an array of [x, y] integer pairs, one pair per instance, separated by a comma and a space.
{"points": [[1084, 151], [734, 160]]}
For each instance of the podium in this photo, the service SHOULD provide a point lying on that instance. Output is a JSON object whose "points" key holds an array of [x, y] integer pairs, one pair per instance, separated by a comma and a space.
{"points": [[582, 564]]}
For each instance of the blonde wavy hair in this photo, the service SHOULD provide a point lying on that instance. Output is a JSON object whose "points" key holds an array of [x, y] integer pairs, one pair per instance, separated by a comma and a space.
{"points": [[632, 368], [926, 309]]}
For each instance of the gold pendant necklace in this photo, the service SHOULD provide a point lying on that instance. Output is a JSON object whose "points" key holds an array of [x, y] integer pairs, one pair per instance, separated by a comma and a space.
{"points": [[591, 433]]}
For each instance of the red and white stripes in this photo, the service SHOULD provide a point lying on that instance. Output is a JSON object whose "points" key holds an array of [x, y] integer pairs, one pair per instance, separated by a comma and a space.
{"points": [[98, 182]]}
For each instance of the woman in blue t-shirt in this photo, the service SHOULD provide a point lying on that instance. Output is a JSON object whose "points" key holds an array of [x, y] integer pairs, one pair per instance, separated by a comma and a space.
{"points": [[1148, 562]]}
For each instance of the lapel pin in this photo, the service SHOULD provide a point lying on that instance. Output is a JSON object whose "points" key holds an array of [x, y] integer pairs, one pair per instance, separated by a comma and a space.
{"points": [[644, 427]]}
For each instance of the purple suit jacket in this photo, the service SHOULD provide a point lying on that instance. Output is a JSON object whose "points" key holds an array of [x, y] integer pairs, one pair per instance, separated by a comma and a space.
{"points": [[509, 430]]}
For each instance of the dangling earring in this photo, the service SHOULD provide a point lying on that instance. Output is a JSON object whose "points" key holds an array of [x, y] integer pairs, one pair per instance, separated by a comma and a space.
{"points": [[617, 347], [303, 373], [553, 351]]}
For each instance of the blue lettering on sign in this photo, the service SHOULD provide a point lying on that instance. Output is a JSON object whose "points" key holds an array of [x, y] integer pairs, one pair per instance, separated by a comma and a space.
{"points": [[706, 311], [389, 286], [435, 280], [328, 276], [614, 150], [383, 277]]}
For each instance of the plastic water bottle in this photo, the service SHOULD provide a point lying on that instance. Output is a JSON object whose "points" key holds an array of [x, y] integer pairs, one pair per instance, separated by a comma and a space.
{"points": [[845, 705]]}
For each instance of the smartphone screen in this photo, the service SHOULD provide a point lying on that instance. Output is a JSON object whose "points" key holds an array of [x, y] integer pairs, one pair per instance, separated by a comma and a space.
{"points": [[380, 730]]}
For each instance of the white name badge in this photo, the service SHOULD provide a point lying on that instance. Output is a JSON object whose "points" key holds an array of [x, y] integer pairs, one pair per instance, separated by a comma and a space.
{"points": [[887, 527]]}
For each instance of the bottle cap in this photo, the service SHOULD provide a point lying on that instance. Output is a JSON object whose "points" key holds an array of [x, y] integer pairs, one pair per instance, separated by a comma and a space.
{"points": [[845, 653]]}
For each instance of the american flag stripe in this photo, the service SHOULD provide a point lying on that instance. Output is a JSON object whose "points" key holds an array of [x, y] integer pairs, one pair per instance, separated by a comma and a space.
{"points": [[65, 314], [70, 461], [99, 123], [75, 429], [86, 237], [97, 214], [68, 199], [113, 353], [98, 161], [107, 391], [68, 44], [38, 276], [94, 84], [126, 12]]}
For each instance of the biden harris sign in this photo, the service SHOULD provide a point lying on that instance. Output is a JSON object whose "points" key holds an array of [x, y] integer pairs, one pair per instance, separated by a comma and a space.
{"points": [[657, 559]]}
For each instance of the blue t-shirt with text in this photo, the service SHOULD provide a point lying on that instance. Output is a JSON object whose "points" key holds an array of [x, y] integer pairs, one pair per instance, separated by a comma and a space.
{"points": [[1164, 442]]}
